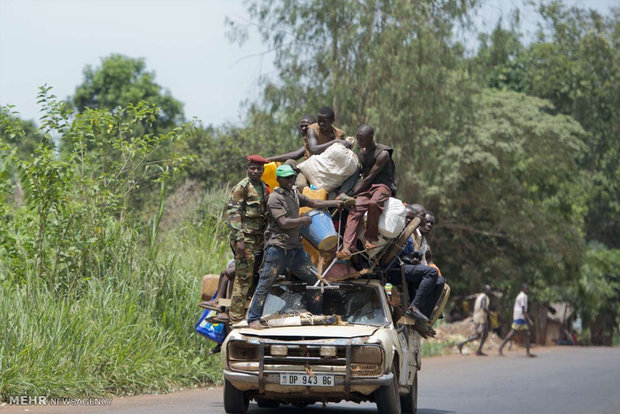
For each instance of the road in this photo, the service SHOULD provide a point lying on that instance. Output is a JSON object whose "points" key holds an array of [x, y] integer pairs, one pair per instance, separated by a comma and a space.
{"points": [[567, 380]]}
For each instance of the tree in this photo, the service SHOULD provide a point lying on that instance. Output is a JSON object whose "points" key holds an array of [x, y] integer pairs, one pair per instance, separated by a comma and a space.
{"points": [[499, 169], [508, 194], [121, 81], [390, 63], [22, 135], [598, 296], [574, 64]]}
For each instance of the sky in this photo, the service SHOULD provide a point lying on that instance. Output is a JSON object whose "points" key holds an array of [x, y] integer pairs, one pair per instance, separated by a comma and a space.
{"points": [[183, 41]]}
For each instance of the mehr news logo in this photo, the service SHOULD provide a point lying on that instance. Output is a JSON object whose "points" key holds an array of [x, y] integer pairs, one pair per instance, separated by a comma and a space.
{"points": [[61, 401]]}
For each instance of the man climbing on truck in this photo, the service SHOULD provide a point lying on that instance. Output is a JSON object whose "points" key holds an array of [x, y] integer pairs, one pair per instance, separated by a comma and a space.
{"points": [[377, 185], [283, 247]]}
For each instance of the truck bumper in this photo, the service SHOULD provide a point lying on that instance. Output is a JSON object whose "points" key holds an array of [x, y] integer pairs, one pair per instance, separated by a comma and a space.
{"points": [[271, 384]]}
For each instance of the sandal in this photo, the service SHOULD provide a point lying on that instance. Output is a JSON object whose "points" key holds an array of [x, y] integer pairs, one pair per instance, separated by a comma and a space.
{"points": [[210, 305], [221, 318], [257, 324]]}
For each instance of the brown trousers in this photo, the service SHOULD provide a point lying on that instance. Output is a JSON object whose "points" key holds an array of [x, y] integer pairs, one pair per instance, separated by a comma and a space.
{"points": [[372, 201]]}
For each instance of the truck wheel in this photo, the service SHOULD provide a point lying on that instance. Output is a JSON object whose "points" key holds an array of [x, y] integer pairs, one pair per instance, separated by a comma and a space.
{"points": [[409, 402], [265, 403], [387, 398], [235, 401]]}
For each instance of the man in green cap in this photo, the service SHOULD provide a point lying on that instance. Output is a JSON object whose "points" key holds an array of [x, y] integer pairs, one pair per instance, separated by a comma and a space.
{"points": [[283, 248], [246, 213]]}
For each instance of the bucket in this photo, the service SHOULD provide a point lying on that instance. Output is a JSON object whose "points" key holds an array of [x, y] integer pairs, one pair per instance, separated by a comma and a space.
{"points": [[321, 231]]}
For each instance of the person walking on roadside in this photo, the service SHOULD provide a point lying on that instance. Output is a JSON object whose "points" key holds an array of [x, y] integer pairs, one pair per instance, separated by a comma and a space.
{"points": [[246, 216], [521, 321], [481, 321], [283, 248]]}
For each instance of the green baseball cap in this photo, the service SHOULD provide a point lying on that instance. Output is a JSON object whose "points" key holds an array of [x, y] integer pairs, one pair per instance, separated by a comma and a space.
{"points": [[284, 171]]}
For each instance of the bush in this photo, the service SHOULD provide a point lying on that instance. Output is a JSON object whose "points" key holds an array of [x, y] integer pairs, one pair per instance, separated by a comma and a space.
{"points": [[100, 300]]}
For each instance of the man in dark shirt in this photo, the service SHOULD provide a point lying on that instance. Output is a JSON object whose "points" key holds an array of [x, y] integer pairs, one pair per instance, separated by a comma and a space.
{"points": [[371, 192], [283, 248]]}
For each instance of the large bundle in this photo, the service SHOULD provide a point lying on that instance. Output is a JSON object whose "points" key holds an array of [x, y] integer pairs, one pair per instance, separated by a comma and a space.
{"points": [[393, 219], [331, 168]]}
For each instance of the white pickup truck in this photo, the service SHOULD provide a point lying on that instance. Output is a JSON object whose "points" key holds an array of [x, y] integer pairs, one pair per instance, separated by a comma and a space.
{"points": [[303, 359]]}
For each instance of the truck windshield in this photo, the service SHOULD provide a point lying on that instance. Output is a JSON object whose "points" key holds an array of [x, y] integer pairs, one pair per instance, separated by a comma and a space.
{"points": [[356, 304]]}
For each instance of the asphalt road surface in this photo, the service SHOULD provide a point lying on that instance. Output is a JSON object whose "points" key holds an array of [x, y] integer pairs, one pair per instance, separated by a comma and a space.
{"points": [[562, 380]]}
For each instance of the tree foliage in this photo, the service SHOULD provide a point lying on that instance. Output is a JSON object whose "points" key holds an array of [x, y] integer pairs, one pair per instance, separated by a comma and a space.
{"points": [[392, 64], [72, 197], [508, 194], [573, 63], [121, 81]]}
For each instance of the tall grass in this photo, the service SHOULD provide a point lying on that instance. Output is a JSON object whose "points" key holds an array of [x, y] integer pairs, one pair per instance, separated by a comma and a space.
{"points": [[130, 331]]}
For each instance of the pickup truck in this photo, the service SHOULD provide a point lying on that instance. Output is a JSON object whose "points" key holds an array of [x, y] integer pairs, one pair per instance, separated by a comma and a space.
{"points": [[323, 346]]}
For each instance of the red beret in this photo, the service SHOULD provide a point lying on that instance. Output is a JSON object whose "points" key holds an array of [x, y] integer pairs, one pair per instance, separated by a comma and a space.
{"points": [[256, 159]]}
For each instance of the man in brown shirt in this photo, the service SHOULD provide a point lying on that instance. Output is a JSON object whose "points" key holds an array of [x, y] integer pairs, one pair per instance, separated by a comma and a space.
{"points": [[371, 192], [283, 248]]}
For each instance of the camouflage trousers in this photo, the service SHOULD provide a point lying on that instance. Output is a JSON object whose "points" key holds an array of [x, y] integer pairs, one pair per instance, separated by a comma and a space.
{"points": [[246, 266]]}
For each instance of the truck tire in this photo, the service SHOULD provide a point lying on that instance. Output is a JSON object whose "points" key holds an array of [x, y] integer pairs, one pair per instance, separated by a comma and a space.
{"points": [[387, 398], [235, 401], [409, 402]]}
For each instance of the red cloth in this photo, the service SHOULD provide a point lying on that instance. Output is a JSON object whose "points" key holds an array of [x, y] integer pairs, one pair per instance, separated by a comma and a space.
{"points": [[372, 201], [256, 159]]}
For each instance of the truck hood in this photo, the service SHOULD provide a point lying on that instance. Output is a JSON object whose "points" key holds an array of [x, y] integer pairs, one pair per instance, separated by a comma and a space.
{"points": [[322, 331]]}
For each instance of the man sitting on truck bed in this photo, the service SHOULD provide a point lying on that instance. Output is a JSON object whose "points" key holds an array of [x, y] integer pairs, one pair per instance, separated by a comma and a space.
{"points": [[283, 248], [422, 280], [377, 185]]}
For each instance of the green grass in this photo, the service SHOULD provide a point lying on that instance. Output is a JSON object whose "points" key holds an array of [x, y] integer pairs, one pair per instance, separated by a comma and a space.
{"points": [[129, 332], [431, 348], [434, 347], [125, 328]]}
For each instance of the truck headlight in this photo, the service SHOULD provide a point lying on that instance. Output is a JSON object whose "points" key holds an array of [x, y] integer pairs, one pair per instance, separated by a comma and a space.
{"points": [[242, 351], [366, 361], [367, 354]]}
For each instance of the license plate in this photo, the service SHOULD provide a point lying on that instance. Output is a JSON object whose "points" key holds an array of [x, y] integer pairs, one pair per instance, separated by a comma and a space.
{"points": [[305, 379]]}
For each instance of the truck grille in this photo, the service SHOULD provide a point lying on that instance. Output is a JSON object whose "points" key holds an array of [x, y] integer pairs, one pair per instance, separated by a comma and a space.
{"points": [[365, 360]]}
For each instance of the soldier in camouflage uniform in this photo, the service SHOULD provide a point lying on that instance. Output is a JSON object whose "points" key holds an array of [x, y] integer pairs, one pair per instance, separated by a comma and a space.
{"points": [[246, 212]]}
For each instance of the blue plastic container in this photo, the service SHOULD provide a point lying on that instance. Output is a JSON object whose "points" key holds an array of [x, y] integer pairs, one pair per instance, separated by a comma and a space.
{"points": [[321, 232], [213, 331]]}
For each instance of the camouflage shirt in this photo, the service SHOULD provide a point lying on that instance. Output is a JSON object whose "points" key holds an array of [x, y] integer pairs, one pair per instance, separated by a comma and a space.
{"points": [[247, 209]]}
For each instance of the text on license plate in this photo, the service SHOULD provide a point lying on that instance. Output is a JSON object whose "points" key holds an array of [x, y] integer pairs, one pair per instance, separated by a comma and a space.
{"points": [[305, 379]]}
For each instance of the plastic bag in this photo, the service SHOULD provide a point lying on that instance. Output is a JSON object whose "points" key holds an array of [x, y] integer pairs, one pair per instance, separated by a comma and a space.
{"points": [[213, 331], [331, 168], [393, 219]]}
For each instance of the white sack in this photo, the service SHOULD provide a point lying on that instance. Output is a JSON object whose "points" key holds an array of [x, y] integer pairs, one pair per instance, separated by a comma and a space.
{"points": [[331, 168], [393, 219]]}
